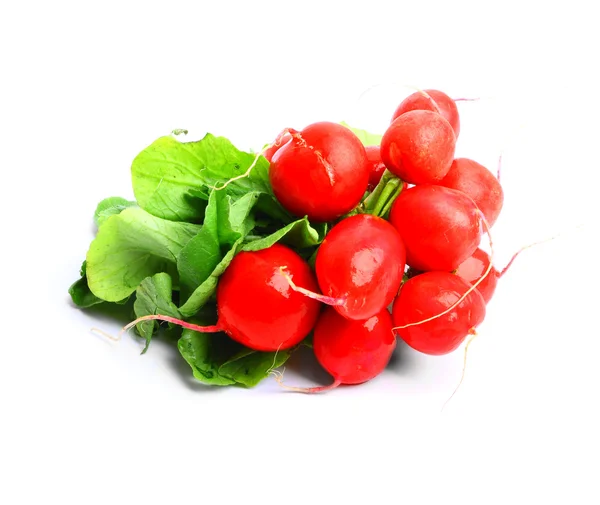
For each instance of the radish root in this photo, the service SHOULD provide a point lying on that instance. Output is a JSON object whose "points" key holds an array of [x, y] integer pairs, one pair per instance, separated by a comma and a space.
{"points": [[169, 319], [472, 335], [499, 167], [220, 186], [271, 370], [102, 333], [328, 300], [318, 389]]}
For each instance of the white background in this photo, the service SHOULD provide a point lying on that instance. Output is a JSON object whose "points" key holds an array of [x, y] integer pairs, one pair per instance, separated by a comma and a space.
{"points": [[85, 86]]}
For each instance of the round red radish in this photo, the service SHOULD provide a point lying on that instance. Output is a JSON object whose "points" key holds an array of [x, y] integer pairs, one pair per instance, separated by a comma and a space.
{"points": [[280, 141], [473, 269], [376, 166], [361, 262], [321, 173], [353, 351], [256, 305], [419, 147], [428, 295], [440, 227], [477, 182], [443, 104]]}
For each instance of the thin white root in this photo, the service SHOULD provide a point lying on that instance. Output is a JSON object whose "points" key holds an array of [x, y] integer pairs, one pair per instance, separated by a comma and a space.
{"points": [[102, 333], [272, 367], [472, 335], [242, 176]]}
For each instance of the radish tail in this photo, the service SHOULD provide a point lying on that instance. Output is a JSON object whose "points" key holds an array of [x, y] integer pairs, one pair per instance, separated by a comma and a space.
{"points": [[169, 319], [327, 300]]}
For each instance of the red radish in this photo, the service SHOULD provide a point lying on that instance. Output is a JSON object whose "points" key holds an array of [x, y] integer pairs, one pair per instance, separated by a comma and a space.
{"points": [[283, 138], [426, 296], [353, 352], [376, 166], [419, 147], [479, 183], [474, 268], [432, 100], [321, 173], [256, 306], [440, 227], [360, 264]]}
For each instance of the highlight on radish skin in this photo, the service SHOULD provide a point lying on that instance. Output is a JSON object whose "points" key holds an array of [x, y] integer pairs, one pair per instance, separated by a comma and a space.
{"points": [[359, 266]]}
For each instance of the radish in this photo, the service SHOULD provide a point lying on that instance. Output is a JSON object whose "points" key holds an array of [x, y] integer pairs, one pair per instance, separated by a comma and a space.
{"points": [[419, 147], [479, 183], [432, 100], [353, 352], [255, 304], [440, 227], [416, 312], [321, 173], [376, 166], [283, 138], [359, 266], [474, 268]]}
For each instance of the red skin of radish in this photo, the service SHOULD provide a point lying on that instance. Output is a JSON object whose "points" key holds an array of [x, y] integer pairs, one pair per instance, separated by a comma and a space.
{"points": [[427, 295], [321, 173], [477, 182], [440, 227], [417, 101], [473, 268], [419, 147], [280, 141], [256, 305], [353, 352], [362, 261], [376, 166]]}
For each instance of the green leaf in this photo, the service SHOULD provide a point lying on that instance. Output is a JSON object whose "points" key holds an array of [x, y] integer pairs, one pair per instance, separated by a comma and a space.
{"points": [[80, 291], [234, 217], [172, 178], [204, 352], [249, 367], [368, 139], [217, 360], [299, 234], [205, 291], [225, 223], [154, 295], [109, 207], [131, 246]]}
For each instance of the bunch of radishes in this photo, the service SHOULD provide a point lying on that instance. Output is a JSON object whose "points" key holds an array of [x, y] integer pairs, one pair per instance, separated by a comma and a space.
{"points": [[406, 238]]}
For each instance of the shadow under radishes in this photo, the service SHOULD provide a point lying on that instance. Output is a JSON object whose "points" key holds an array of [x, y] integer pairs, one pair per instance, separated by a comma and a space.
{"points": [[304, 364]]}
